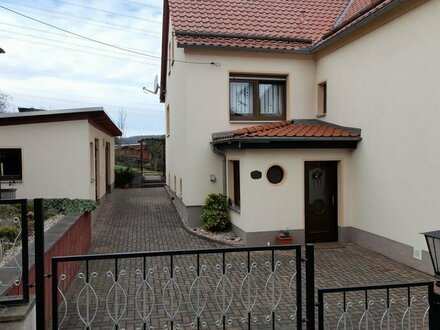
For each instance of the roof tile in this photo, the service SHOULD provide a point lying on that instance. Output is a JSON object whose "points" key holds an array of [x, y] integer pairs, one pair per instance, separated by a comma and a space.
{"points": [[298, 128], [249, 19]]}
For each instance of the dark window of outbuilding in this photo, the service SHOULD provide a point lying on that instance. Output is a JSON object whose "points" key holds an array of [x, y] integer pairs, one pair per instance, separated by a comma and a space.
{"points": [[11, 160], [275, 174]]}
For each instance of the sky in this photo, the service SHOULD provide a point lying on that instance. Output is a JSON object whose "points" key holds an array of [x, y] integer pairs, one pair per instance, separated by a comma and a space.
{"points": [[47, 68]]}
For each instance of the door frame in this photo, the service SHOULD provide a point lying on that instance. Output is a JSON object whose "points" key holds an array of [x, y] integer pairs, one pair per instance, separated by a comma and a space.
{"points": [[336, 164], [97, 161]]}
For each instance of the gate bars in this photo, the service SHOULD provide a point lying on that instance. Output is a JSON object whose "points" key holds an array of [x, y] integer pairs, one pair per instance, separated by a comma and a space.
{"points": [[23, 279], [191, 292]]}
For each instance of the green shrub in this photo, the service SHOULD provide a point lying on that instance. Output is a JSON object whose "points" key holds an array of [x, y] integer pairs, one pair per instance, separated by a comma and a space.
{"points": [[123, 177], [9, 233], [215, 216], [67, 206]]}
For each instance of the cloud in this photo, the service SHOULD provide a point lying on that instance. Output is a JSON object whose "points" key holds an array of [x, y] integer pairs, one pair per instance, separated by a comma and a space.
{"points": [[53, 70]]}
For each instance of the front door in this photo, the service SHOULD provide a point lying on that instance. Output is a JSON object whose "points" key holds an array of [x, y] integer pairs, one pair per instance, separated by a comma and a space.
{"points": [[321, 212]]}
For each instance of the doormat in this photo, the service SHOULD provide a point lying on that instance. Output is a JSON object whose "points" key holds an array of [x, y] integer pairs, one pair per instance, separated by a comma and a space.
{"points": [[329, 246]]}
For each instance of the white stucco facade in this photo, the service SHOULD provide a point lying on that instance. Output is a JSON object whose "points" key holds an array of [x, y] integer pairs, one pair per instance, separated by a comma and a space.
{"points": [[56, 159], [383, 82], [387, 86]]}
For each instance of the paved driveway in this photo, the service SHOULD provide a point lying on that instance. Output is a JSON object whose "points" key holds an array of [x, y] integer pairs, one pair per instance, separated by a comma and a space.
{"points": [[145, 220]]}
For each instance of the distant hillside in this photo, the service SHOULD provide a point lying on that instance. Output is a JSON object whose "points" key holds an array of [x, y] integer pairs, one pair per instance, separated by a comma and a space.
{"points": [[135, 139]]}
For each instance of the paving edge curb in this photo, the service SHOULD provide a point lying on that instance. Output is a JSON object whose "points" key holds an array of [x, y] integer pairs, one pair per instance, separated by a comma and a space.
{"points": [[209, 239]]}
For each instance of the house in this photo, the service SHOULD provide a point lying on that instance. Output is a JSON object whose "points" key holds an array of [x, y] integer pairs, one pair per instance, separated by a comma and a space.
{"points": [[58, 154], [317, 116], [134, 151]]}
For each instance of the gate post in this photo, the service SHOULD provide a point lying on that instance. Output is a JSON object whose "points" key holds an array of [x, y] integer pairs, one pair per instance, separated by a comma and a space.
{"points": [[310, 287], [39, 263], [434, 309]]}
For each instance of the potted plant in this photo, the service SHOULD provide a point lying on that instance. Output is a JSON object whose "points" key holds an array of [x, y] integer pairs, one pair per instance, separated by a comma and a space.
{"points": [[284, 238]]}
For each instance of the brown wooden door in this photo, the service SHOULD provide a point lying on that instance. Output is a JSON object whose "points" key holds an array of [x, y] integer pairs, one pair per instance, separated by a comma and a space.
{"points": [[321, 212]]}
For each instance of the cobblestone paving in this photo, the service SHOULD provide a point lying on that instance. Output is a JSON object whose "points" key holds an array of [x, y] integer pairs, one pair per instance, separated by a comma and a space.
{"points": [[145, 220]]}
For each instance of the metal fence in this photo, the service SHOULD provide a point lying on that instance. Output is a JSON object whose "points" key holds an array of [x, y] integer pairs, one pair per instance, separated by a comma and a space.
{"points": [[209, 288], [14, 262], [393, 306]]}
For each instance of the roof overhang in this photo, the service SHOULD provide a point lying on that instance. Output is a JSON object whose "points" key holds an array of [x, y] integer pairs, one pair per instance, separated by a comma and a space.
{"points": [[294, 134], [286, 143], [96, 117]]}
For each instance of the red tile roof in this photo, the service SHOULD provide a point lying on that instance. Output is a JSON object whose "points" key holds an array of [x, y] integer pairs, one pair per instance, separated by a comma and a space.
{"points": [[292, 129], [255, 22], [277, 18]]}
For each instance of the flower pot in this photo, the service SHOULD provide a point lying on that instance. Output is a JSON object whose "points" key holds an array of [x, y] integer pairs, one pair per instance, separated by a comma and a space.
{"points": [[282, 240]]}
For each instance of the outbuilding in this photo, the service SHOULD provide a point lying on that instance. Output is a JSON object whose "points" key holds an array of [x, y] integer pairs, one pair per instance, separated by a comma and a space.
{"points": [[57, 154]]}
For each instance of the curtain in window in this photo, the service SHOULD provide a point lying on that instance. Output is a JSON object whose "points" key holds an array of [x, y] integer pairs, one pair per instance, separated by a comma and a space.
{"points": [[241, 98], [271, 99]]}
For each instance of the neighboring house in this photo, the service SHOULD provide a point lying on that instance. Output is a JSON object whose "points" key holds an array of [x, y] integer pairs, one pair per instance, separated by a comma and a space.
{"points": [[134, 151], [58, 154], [236, 73]]}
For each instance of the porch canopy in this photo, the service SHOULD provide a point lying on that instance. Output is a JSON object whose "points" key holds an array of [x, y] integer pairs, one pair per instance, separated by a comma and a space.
{"points": [[301, 133]]}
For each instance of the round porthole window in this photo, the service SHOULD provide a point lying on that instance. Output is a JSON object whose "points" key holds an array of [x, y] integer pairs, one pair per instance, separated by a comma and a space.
{"points": [[275, 174]]}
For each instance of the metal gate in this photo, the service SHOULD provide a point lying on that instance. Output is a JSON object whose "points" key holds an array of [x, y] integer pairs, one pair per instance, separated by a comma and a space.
{"points": [[257, 287]]}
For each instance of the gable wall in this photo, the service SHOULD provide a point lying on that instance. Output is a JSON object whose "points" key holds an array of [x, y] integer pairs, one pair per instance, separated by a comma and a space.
{"points": [[386, 83]]}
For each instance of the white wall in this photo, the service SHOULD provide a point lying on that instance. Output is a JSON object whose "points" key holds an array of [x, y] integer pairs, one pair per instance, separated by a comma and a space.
{"points": [[269, 207], [200, 106], [387, 84], [176, 144], [54, 158]]}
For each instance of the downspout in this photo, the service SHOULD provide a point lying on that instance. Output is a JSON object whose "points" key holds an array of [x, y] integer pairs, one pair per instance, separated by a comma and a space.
{"points": [[223, 155]]}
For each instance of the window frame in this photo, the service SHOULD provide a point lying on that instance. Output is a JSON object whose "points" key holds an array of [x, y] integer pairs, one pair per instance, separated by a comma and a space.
{"points": [[322, 101], [255, 80], [234, 185], [167, 121], [14, 177]]}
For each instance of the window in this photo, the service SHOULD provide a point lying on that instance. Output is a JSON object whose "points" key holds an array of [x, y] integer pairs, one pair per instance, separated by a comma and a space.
{"points": [[168, 120], [10, 161], [169, 58], [322, 99], [257, 98], [234, 182], [275, 174], [170, 55]]}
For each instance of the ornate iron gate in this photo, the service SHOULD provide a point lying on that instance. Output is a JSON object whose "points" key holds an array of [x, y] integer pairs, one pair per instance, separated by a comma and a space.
{"points": [[393, 306], [247, 287], [14, 275]]}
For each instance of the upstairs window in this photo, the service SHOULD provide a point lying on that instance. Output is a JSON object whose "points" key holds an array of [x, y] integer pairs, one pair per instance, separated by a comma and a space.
{"points": [[168, 120], [322, 99], [10, 164], [257, 97]]}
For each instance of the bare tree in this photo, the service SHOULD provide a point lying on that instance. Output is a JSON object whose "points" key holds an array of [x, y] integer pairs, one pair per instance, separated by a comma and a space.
{"points": [[4, 102], [121, 121]]}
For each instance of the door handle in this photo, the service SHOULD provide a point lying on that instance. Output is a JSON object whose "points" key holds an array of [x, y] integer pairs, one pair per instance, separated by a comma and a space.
{"points": [[333, 199]]}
